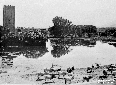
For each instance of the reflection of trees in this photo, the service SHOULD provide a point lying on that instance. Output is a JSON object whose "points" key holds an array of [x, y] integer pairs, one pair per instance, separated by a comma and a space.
{"points": [[87, 42], [59, 50], [29, 52], [114, 44], [73, 42], [106, 40], [34, 51], [110, 41], [10, 52], [61, 46], [28, 41], [7, 54], [7, 61]]}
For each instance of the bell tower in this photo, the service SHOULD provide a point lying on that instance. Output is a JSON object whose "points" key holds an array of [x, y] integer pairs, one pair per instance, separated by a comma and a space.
{"points": [[9, 17]]}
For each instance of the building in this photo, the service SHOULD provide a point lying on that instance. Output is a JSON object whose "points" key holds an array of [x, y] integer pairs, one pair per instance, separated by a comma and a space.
{"points": [[9, 17]]}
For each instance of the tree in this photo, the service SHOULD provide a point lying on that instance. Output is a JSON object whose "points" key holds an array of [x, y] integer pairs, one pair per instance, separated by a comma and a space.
{"points": [[61, 26]]}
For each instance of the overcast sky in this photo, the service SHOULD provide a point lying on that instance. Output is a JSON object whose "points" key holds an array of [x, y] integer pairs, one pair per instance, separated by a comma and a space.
{"points": [[39, 13]]}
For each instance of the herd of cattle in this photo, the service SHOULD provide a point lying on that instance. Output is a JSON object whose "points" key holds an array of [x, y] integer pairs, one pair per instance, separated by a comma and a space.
{"points": [[67, 75], [108, 70]]}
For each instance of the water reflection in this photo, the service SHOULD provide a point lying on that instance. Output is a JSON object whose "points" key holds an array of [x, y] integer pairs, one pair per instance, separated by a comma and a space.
{"points": [[59, 50], [114, 44], [34, 51], [109, 41], [87, 42], [61, 46], [27, 51], [9, 53]]}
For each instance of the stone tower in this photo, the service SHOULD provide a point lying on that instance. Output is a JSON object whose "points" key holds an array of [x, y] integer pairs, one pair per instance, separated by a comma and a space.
{"points": [[9, 17]]}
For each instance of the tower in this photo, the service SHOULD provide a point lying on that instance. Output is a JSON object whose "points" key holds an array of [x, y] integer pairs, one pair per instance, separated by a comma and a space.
{"points": [[9, 17]]}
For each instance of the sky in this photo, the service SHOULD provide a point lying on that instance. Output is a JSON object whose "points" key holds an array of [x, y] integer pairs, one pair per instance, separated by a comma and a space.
{"points": [[39, 13]]}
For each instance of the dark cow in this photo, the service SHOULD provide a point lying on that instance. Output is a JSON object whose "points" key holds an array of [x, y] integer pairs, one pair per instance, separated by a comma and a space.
{"points": [[89, 70], [69, 70], [97, 65], [102, 77], [87, 78], [53, 76], [105, 72], [58, 69], [111, 68]]}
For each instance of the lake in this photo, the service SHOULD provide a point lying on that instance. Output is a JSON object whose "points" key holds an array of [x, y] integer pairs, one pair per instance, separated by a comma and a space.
{"points": [[80, 53]]}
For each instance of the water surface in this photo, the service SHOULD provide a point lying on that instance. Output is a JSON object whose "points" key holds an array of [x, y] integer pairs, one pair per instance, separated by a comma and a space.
{"points": [[65, 52]]}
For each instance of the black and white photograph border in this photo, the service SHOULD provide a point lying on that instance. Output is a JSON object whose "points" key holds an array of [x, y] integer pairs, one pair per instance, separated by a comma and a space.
{"points": [[58, 42]]}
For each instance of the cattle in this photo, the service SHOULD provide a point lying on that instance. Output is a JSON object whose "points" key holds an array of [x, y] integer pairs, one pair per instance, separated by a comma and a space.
{"points": [[69, 70], [105, 72], [111, 68], [45, 77], [68, 78], [58, 69], [114, 78], [40, 78], [92, 66], [114, 73], [89, 70], [102, 77], [53, 76], [87, 78], [97, 65], [55, 68]]}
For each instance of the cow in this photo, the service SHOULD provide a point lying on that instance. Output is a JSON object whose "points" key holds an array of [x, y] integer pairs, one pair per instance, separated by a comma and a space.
{"points": [[111, 68], [87, 78], [69, 70], [68, 78], [89, 70], [105, 72], [114, 73], [102, 77]]}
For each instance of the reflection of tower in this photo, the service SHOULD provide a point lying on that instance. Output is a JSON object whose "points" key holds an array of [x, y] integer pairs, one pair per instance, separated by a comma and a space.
{"points": [[9, 17], [48, 45]]}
